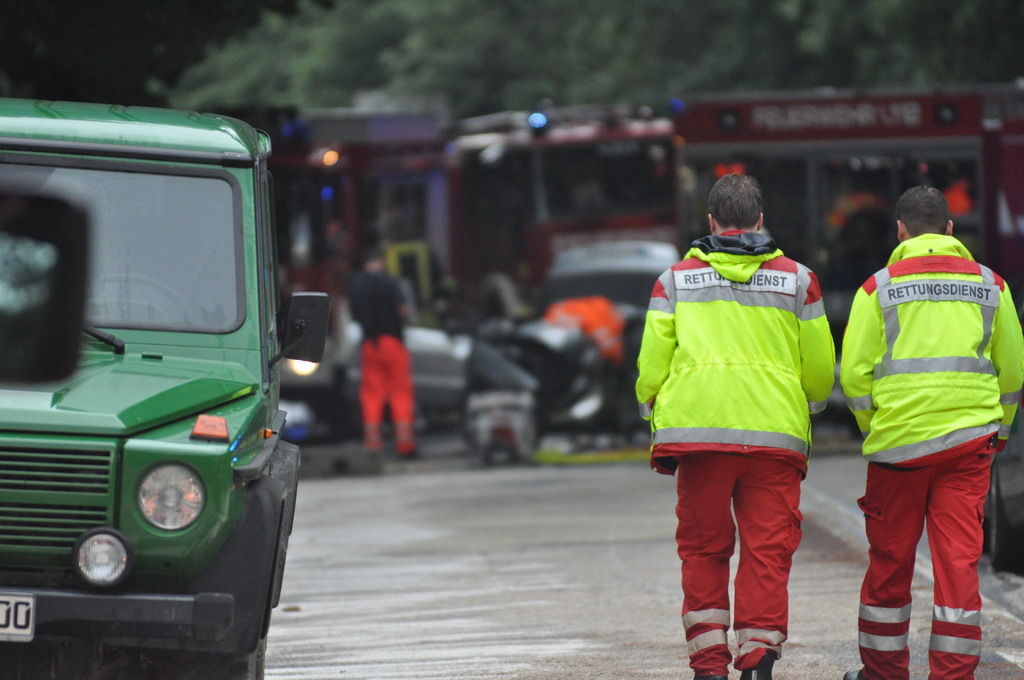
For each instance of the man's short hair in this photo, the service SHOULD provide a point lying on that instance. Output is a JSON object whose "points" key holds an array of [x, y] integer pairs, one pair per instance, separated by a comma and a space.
{"points": [[735, 201], [923, 210]]}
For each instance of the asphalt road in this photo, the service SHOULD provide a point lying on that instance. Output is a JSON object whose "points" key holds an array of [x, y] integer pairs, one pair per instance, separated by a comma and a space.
{"points": [[443, 568]]}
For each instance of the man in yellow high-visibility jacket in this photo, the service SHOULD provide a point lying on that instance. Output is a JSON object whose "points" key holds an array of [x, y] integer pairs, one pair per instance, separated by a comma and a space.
{"points": [[736, 354], [932, 371]]}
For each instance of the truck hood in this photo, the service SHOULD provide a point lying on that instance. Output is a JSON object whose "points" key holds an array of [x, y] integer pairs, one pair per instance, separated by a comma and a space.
{"points": [[123, 395]]}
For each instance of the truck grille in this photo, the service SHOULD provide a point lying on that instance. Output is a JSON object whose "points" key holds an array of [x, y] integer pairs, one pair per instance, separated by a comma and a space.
{"points": [[49, 497], [42, 526], [81, 471]]}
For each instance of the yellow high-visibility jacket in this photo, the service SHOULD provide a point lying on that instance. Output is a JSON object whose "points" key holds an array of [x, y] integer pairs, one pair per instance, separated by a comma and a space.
{"points": [[736, 353], [932, 354]]}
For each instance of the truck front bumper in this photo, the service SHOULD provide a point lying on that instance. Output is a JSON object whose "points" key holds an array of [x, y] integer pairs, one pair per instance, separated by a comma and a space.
{"points": [[191, 621]]}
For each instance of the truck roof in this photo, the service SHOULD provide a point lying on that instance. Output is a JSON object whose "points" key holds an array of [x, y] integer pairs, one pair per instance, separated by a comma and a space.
{"points": [[128, 131]]}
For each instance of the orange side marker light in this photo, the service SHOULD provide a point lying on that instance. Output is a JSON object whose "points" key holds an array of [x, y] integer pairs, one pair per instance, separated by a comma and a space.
{"points": [[210, 428]]}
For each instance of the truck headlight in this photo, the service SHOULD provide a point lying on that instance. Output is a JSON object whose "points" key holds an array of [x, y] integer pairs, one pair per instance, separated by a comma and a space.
{"points": [[102, 557], [171, 496]]}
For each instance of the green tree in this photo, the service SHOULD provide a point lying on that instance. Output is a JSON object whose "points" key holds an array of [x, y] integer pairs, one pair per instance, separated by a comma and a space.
{"points": [[907, 42], [489, 56], [483, 56], [480, 55], [320, 58]]}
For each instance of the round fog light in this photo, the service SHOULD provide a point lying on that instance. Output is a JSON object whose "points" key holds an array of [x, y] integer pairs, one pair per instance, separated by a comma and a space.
{"points": [[102, 557]]}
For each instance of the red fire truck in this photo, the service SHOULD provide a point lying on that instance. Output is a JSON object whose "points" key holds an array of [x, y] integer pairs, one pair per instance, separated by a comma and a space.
{"points": [[529, 185], [832, 165], [346, 180]]}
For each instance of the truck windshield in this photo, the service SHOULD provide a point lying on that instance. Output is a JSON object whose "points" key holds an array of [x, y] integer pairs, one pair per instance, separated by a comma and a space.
{"points": [[164, 249], [610, 178]]}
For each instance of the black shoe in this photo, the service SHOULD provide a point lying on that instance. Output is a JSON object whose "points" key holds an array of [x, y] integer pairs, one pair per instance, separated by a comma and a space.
{"points": [[854, 675], [763, 670], [711, 677]]}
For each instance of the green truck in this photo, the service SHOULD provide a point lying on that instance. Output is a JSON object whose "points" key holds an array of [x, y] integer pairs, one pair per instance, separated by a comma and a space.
{"points": [[146, 501]]}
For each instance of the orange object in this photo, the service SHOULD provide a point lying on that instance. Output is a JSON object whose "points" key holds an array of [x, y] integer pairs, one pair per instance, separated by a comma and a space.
{"points": [[597, 317], [850, 204], [387, 380], [958, 196], [210, 428]]}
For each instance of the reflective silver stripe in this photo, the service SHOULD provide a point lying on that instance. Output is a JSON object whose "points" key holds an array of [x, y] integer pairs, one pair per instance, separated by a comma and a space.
{"points": [[645, 410], [816, 406], [955, 645], [750, 639], [719, 616], [743, 297], [987, 275], [812, 311], [890, 366], [988, 315], [660, 304], [966, 617], [885, 614], [938, 290], [1010, 398], [1004, 431], [758, 644], [668, 303], [745, 635], [722, 435], [705, 640], [891, 318], [988, 312], [667, 279], [907, 452], [883, 643], [817, 308], [860, 403]]}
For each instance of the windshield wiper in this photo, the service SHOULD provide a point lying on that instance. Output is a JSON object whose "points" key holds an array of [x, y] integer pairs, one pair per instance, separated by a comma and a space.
{"points": [[112, 340]]}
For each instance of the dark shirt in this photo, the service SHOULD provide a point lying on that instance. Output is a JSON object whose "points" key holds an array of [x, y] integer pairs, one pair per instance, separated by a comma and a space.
{"points": [[375, 300]]}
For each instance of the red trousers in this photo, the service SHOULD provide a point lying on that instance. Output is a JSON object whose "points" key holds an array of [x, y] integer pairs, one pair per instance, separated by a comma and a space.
{"points": [[765, 496], [949, 497], [387, 379]]}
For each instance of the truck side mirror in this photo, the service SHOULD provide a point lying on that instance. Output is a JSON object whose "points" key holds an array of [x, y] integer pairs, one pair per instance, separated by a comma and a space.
{"points": [[43, 263], [305, 327]]}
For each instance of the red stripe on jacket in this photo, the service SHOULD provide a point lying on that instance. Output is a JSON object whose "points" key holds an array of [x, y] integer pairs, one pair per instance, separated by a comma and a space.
{"points": [[932, 264]]}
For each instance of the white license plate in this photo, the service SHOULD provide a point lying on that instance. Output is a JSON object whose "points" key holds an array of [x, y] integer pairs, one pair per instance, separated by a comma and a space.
{"points": [[17, 617]]}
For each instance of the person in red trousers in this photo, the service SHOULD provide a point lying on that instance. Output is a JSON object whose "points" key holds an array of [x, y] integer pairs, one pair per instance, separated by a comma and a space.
{"points": [[736, 355], [932, 371], [379, 306]]}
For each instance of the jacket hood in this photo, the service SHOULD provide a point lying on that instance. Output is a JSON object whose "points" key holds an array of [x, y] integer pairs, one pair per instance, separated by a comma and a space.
{"points": [[929, 244], [736, 255], [123, 395]]}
